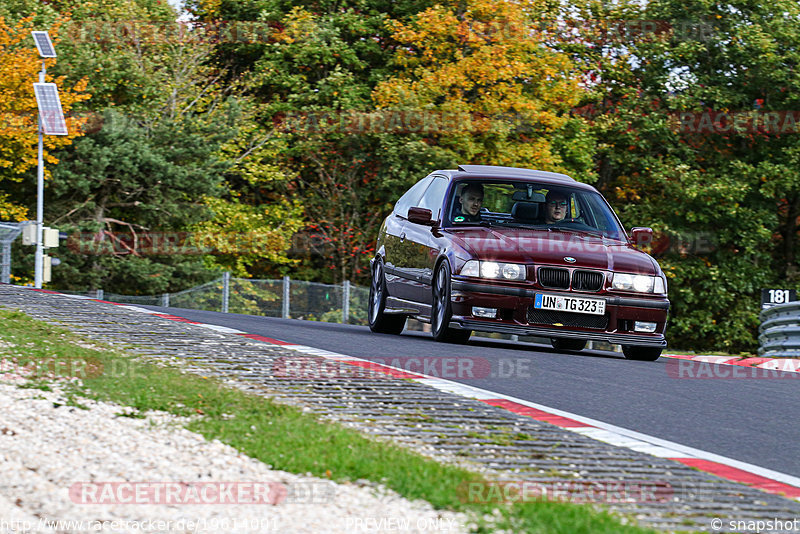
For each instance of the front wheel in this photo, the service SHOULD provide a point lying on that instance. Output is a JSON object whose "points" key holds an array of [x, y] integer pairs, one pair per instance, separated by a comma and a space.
{"points": [[645, 354], [379, 321], [442, 310], [568, 344]]}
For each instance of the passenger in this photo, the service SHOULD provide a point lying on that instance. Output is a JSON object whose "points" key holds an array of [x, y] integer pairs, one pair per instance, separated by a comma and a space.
{"points": [[557, 206]]}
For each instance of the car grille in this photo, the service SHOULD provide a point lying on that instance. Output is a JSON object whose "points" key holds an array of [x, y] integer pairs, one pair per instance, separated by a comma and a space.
{"points": [[554, 278], [566, 318], [587, 280], [557, 278]]}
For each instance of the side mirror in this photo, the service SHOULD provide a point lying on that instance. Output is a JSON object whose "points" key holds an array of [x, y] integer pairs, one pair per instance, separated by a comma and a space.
{"points": [[641, 235], [420, 216]]}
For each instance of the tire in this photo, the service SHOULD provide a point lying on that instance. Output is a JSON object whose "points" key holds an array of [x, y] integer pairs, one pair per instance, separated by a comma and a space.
{"points": [[568, 344], [442, 310], [380, 322], [644, 354]]}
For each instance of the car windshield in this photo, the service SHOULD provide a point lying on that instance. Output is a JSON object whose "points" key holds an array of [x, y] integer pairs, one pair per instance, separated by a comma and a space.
{"points": [[531, 205]]}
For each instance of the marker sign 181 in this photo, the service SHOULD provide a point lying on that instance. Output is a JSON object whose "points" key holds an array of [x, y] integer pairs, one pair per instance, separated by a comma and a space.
{"points": [[771, 297]]}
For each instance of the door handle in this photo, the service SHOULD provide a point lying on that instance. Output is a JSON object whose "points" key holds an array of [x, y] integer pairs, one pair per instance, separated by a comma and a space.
{"points": [[402, 237]]}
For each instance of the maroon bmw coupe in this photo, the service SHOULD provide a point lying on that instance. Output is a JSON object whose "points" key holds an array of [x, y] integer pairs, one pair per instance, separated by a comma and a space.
{"points": [[517, 251]]}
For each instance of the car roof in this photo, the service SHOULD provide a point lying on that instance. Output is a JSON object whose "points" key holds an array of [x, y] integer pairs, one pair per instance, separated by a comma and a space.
{"points": [[513, 174]]}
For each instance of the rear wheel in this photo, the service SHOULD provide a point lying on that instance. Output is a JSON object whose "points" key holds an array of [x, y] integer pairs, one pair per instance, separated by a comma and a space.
{"points": [[442, 310], [645, 354], [568, 344], [379, 321]]}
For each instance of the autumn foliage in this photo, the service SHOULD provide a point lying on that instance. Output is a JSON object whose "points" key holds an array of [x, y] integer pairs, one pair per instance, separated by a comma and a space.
{"points": [[486, 60]]}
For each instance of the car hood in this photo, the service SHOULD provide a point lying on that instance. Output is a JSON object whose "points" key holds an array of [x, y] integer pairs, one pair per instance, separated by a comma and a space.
{"points": [[551, 247]]}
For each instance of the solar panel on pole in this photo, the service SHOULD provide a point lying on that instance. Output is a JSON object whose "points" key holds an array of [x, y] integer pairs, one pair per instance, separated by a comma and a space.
{"points": [[43, 44], [50, 111]]}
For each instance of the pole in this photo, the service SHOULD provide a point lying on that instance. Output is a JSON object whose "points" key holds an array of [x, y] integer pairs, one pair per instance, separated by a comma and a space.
{"points": [[286, 293], [40, 199], [5, 278], [226, 290], [346, 301]]}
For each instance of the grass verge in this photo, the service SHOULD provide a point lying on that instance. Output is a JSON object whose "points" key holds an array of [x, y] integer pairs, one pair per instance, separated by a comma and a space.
{"points": [[281, 436]]}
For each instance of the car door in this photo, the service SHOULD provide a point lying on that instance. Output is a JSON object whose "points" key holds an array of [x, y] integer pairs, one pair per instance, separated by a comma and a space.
{"points": [[420, 245], [398, 264]]}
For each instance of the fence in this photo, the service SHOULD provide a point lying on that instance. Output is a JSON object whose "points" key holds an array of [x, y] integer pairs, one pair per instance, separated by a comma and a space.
{"points": [[780, 331], [287, 298]]}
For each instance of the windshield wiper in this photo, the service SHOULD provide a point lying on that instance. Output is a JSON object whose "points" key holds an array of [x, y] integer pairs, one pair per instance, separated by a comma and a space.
{"points": [[462, 224], [597, 233]]}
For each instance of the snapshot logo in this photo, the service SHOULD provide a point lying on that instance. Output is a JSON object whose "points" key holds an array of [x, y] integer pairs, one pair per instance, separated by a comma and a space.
{"points": [[737, 122], [576, 491], [692, 369], [182, 493], [462, 367]]}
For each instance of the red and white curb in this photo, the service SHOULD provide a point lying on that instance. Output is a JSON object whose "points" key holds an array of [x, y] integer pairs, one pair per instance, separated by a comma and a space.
{"points": [[721, 466]]}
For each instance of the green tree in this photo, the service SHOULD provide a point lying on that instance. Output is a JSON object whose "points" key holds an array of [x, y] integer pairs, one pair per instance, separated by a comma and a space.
{"points": [[322, 65], [720, 199]]}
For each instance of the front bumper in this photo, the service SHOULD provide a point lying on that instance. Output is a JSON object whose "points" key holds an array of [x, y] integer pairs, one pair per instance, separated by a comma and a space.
{"points": [[513, 303]]}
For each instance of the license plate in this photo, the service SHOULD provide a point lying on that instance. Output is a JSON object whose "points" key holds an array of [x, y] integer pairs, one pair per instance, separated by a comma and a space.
{"points": [[543, 301]]}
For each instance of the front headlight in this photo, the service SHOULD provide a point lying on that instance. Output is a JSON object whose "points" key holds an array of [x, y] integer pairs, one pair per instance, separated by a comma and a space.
{"points": [[493, 270], [638, 282]]}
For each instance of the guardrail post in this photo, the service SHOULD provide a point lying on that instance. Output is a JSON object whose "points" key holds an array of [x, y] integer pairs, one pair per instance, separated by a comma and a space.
{"points": [[346, 301], [5, 277], [780, 331], [286, 283], [165, 300], [226, 290]]}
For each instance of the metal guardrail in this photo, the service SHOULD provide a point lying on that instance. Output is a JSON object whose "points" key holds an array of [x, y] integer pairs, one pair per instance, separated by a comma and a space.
{"points": [[779, 333], [8, 233]]}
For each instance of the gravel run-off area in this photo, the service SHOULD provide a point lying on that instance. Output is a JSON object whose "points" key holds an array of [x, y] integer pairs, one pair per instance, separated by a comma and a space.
{"points": [[65, 468]]}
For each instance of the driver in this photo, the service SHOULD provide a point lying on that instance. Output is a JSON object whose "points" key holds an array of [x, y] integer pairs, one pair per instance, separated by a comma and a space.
{"points": [[557, 206], [471, 201]]}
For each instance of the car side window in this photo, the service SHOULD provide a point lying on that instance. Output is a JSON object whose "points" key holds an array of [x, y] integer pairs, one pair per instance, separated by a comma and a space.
{"points": [[434, 197], [411, 197]]}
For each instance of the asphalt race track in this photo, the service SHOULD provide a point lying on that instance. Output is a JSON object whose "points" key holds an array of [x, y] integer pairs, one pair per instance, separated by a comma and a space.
{"points": [[751, 420]]}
